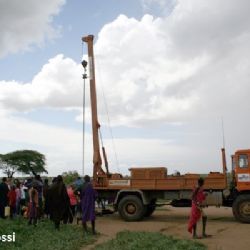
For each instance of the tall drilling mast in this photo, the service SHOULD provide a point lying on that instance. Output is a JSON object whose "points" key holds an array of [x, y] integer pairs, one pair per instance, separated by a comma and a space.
{"points": [[97, 161]]}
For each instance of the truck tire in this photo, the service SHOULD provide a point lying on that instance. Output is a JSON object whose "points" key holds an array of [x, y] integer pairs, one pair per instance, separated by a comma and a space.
{"points": [[241, 208], [131, 208]]}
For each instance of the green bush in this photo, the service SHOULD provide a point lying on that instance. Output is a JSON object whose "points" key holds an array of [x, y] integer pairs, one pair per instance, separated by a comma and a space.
{"points": [[70, 176], [127, 240]]}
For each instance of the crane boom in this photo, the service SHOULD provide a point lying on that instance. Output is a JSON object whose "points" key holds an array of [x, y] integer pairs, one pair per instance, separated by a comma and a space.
{"points": [[97, 160]]}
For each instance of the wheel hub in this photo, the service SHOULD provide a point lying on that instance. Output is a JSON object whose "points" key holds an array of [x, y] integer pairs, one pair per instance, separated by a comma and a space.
{"points": [[131, 208], [245, 208]]}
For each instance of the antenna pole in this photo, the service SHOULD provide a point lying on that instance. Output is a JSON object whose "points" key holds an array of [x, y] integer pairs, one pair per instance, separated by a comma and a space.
{"points": [[223, 135], [224, 162]]}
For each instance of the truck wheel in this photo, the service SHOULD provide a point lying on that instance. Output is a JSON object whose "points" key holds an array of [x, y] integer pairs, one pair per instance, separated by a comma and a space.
{"points": [[131, 208], [241, 208]]}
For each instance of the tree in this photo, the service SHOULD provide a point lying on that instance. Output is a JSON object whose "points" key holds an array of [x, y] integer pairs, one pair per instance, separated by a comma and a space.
{"points": [[7, 169], [70, 176], [24, 161]]}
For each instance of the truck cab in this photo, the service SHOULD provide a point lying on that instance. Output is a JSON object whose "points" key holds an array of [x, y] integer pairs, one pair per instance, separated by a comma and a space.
{"points": [[241, 170], [241, 185]]}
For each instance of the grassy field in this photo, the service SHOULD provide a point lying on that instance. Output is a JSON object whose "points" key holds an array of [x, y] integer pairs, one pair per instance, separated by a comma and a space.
{"points": [[127, 240], [42, 237], [70, 237]]}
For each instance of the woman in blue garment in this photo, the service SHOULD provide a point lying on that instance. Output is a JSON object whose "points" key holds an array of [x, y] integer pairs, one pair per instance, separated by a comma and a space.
{"points": [[88, 197]]}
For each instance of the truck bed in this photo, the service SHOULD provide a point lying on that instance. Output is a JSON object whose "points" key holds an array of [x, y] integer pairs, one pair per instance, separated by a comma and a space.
{"points": [[157, 179]]}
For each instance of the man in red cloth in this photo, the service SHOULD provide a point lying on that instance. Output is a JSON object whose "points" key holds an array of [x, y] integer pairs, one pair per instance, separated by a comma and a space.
{"points": [[196, 212]]}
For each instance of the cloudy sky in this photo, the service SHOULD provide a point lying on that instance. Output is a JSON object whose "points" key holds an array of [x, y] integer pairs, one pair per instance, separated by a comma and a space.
{"points": [[167, 73]]}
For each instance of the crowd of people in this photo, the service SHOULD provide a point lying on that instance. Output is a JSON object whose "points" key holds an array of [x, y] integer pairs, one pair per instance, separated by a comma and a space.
{"points": [[36, 199]]}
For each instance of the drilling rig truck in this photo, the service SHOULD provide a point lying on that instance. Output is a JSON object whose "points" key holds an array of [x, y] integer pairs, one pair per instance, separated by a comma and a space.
{"points": [[135, 197]]}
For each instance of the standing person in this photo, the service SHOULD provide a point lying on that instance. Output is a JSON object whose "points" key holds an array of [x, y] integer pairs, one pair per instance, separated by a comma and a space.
{"points": [[3, 196], [33, 205], [18, 197], [58, 202], [197, 211], [22, 197], [23, 204], [88, 197], [45, 197], [39, 187], [78, 183], [73, 200], [12, 201]]}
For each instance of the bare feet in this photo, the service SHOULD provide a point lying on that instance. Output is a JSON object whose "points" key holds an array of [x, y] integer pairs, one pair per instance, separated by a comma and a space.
{"points": [[197, 237], [206, 236], [202, 237]]}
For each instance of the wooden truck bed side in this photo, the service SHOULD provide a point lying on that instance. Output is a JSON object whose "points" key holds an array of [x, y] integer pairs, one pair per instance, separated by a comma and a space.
{"points": [[157, 179]]}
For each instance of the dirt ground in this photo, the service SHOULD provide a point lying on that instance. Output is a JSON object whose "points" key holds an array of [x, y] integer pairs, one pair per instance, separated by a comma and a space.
{"points": [[226, 232]]}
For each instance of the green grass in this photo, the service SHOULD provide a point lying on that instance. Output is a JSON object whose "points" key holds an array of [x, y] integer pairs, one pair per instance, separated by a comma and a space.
{"points": [[128, 240], [42, 237]]}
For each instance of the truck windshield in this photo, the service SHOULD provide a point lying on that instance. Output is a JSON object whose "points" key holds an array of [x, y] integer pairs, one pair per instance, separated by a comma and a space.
{"points": [[243, 161]]}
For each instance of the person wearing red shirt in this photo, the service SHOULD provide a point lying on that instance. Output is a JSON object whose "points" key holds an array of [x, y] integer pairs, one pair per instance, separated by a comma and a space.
{"points": [[72, 199], [197, 211], [12, 201]]}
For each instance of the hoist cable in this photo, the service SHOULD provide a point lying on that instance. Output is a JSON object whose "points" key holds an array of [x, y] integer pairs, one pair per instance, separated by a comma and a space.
{"points": [[108, 117], [84, 76], [100, 135]]}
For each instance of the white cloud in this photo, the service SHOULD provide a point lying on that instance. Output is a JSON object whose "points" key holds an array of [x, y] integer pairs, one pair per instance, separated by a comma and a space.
{"points": [[159, 81], [26, 24], [57, 85], [170, 69], [154, 69], [187, 68]]}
